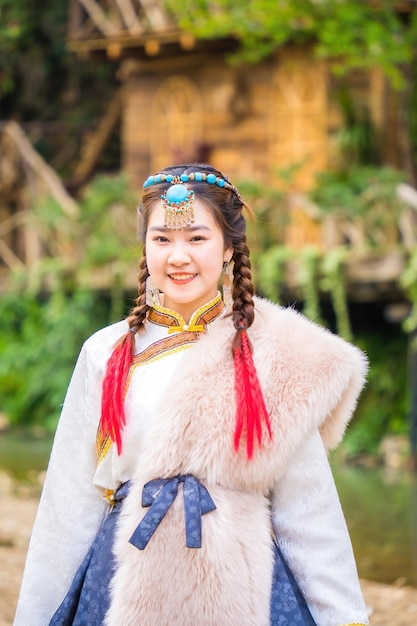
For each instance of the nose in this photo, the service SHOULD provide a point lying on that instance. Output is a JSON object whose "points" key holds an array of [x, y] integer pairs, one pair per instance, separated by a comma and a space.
{"points": [[179, 254]]}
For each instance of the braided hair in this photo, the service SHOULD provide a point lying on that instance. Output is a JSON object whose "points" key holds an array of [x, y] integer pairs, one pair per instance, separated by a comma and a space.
{"points": [[226, 205]]}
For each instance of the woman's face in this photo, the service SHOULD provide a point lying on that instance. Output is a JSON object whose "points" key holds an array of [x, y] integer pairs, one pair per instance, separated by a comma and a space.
{"points": [[186, 264]]}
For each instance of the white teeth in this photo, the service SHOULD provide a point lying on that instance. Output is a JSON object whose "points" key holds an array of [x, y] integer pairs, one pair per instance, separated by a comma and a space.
{"points": [[182, 276]]}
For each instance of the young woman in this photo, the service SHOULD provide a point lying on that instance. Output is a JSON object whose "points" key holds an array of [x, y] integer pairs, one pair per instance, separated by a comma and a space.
{"points": [[188, 483]]}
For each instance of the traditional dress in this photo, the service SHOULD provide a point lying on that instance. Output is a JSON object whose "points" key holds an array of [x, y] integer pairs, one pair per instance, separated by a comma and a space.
{"points": [[178, 438]]}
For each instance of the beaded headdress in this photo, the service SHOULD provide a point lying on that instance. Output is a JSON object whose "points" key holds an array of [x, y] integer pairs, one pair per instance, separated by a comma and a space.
{"points": [[178, 200]]}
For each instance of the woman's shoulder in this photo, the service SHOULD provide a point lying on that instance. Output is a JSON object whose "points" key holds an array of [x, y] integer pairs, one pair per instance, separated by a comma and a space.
{"points": [[103, 340]]}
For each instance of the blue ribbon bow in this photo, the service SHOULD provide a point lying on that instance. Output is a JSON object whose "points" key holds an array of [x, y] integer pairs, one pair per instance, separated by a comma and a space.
{"points": [[159, 494]]}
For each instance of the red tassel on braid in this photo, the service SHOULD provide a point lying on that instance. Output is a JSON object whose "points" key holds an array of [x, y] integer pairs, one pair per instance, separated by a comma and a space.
{"points": [[113, 418], [251, 410]]}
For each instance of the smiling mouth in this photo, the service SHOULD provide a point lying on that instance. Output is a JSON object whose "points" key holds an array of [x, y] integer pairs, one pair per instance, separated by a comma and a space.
{"points": [[182, 276]]}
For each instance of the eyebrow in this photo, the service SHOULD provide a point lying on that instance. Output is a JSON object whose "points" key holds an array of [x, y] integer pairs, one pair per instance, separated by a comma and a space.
{"points": [[191, 229]]}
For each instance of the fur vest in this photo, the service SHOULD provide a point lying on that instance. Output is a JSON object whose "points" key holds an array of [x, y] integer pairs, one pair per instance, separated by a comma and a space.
{"points": [[310, 379]]}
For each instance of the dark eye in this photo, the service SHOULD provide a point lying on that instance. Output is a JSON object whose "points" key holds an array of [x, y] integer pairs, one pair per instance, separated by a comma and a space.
{"points": [[198, 238], [161, 239]]}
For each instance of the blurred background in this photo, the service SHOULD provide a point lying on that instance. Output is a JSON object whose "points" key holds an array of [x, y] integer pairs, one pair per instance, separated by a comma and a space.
{"points": [[310, 107]]}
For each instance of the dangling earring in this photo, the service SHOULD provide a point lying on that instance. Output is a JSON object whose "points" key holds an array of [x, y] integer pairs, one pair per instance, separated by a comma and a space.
{"points": [[227, 283], [152, 293]]}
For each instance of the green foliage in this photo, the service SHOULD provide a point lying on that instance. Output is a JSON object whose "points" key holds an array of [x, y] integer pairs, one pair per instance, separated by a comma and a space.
{"points": [[317, 274], [333, 281], [108, 221], [309, 259], [271, 216], [409, 282], [357, 191], [40, 338], [355, 34], [356, 140], [271, 271], [30, 31], [363, 195], [103, 233], [383, 405]]}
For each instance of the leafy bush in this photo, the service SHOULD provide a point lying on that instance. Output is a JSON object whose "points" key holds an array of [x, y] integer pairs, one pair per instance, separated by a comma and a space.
{"points": [[358, 190], [40, 338]]}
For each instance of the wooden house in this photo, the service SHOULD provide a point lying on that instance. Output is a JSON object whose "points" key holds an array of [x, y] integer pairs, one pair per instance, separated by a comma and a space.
{"points": [[182, 101]]}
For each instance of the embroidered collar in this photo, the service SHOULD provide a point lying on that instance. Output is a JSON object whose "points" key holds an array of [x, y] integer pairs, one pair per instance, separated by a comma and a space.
{"points": [[198, 321]]}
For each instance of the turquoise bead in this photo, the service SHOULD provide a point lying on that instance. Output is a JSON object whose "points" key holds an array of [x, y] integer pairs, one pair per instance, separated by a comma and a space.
{"points": [[169, 178], [198, 176], [177, 194], [211, 178], [221, 182], [184, 178]]}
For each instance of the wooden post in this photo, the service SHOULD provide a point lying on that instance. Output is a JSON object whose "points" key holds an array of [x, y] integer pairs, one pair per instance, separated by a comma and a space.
{"points": [[42, 170], [129, 16], [95, 144], [75, 18], [99, 18]]}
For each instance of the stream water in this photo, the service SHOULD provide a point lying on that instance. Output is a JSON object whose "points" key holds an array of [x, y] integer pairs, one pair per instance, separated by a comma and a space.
{"points": [[381, 513], [380, 508]]}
